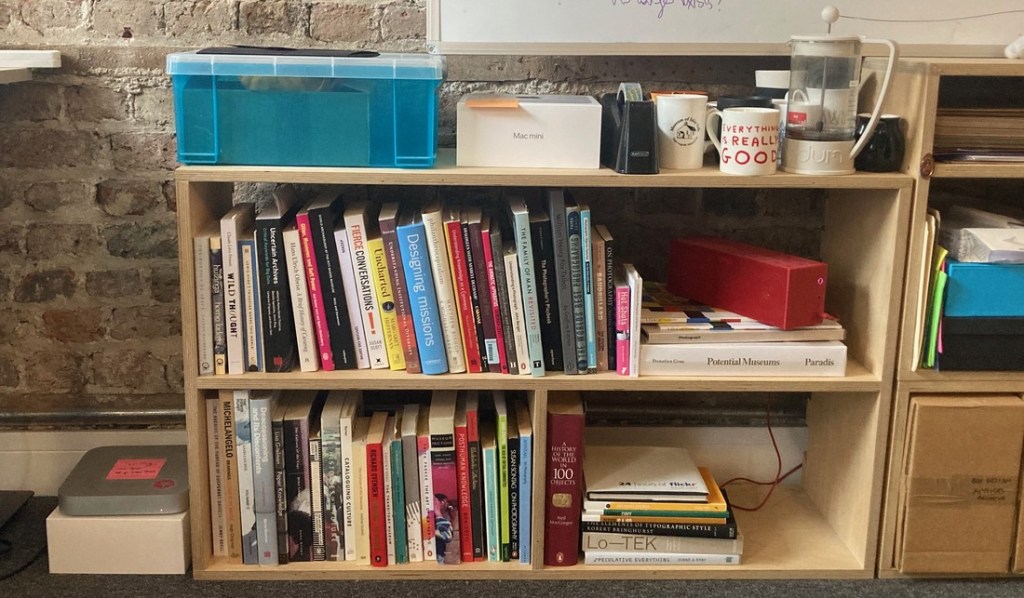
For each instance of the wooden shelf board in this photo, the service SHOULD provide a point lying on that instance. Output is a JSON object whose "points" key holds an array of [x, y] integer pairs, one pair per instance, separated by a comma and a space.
{"points": [[978, 170], [954, 382], [857, 379], [446, 173], [788, 538]]}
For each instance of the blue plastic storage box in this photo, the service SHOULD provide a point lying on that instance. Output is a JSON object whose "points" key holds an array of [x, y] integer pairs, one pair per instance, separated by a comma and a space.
{"points": [[306, 108], [982, 289]]}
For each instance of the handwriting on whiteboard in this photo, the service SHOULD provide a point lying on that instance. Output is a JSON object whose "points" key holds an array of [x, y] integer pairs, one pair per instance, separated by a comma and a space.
{"points": [[662, 4]]}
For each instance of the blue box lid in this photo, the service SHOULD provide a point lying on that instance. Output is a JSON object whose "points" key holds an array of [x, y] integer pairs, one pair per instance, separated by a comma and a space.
{"points": [[983, 289], [296, 64]]}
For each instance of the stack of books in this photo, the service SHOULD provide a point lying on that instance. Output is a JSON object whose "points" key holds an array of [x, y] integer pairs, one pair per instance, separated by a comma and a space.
{"points": [[980, 128], [685, 338], [648, 505]]}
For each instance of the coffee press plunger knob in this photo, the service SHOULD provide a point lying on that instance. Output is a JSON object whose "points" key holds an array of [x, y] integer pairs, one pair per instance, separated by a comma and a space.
{"points": [[830, 14]]}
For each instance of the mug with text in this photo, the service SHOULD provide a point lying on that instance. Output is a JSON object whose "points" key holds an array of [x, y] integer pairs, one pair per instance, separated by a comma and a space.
{"points": [[749, 143], [681, 120]]}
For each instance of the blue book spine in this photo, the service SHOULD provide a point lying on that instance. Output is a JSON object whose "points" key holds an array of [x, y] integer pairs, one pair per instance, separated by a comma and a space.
{"points": [[525, 495], [412, 240], [588, 287]]}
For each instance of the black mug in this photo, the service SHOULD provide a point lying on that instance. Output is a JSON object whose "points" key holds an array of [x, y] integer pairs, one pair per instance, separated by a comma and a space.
{"points": [[884, 151]]}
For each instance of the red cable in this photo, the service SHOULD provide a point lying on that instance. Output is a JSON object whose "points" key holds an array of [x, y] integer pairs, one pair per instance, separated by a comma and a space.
{"points": [[779, 476]]}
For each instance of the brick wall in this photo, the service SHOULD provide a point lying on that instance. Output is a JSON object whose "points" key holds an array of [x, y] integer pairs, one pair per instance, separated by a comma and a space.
{"points": [[88, 259]]}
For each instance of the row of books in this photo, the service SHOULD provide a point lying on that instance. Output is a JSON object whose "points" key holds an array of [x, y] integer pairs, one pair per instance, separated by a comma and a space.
{"points": [[441, 288], [321, 476]]}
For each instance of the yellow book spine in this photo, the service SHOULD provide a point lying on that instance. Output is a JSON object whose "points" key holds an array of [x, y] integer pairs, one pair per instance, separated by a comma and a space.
{"points": [[388, 317]]}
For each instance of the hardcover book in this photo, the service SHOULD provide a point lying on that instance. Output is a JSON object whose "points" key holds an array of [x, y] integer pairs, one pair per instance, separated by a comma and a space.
{"points": [[204, 301], [447, 306], [444, 515], [782, 358], [232, 226], [324, 214], [412, 240], [564, 480], [279, 350], [642, 473], [388, 221], [562, 277]]}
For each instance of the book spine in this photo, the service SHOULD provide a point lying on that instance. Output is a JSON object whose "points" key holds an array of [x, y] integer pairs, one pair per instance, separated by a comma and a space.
{"points": [[251, 301], [348, 485], [230, 463], [494, 271], [420, 284], [642, 543], [351, 295], [316, 296], [610, 298], [448, 311], [360, 499], [600, 304], [656, 334], [280, 489], [563, 275], [690, 530], [385, 299], [465, 502], [525, 498], [328, 264], [514, 499], [369, 310], [330, 451], [528, 285], [389, 497], [492, 509], [476, 487], [518, 319], [204, 305], [403, 305], [786, 358], [456, 253], [659, 558], [501, 435], [572, 222], [444, 483], [398, 502], [636, 286], [220, 339], [589, 319], [426, 497], [297, 486], [622, 328], [215, 455], [475, 295], [547, 293], [246, 487], [275, 298], [480, 292], [316, 499], [563, 494], [376, 503], [264, 496], [233, 312], [410, 471], [305, 337]]}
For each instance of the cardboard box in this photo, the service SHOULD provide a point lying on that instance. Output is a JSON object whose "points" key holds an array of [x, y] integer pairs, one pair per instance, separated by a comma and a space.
{"points": [[545, 131], [119, 544], [975, 289], [960, 484]]}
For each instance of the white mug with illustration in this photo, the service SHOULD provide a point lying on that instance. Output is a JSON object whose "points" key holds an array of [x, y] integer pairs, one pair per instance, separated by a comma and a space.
{"points": [[681, 121], [749, 143]]}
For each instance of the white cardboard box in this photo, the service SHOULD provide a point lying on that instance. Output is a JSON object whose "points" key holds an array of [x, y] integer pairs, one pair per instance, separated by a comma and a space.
{"points": [[122, 544], [543, 131]]}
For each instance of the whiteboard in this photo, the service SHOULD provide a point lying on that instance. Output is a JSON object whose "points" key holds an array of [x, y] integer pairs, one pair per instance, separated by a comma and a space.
{"points": [[715, 27]]}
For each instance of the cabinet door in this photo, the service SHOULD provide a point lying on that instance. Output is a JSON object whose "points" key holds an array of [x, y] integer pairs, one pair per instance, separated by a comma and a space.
{"points": [[960, 484]]}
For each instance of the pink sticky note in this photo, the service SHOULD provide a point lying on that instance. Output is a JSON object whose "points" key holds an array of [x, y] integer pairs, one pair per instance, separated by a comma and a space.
{"points": [[136, 469]]}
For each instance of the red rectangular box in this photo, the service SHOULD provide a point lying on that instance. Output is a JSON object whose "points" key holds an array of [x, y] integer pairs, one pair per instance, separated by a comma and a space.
{"points": [[772, 287]]}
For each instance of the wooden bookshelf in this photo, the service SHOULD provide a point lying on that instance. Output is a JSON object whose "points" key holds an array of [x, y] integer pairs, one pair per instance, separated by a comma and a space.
{"points": [[824, 526]]}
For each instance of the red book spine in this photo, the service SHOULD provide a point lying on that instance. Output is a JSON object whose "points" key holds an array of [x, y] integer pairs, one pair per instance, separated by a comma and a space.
{"points": [[465, 504], [622, 339], [376, 504], [316, 296], [492, 289], [460, 272], [564, 492]]}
